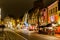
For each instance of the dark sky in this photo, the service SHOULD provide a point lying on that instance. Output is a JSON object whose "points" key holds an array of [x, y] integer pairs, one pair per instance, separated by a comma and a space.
{"points": [[15, 8]]}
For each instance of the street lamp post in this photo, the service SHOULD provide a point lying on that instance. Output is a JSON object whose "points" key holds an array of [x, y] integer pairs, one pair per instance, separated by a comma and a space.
{"points": [[40, 6], [38, 16]]}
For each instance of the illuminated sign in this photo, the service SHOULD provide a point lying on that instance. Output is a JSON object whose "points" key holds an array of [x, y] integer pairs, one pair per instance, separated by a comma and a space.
{"points": [[52, 18]]}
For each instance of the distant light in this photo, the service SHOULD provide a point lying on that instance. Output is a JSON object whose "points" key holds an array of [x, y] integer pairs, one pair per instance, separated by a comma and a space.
{"points": [[53, 25], [26, 24], [17, 20], [59, 21]]}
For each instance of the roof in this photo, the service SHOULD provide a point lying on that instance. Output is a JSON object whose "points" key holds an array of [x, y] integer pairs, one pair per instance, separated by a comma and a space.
{"points": [[48, 2], [40, 3], [31, 10]]}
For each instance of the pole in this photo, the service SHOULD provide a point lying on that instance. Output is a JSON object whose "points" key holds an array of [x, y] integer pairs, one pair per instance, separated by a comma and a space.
{"points": [[0, 15], [47, 15], [38, 20]]}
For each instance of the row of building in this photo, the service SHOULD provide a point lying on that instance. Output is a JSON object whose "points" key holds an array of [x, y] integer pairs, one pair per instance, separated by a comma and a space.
{"points": [[43, 12]]}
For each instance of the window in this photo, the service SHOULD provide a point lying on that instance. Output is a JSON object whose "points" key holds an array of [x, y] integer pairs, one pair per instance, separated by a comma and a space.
{"points": [[51, 11], [56, 9], [59, 14]]}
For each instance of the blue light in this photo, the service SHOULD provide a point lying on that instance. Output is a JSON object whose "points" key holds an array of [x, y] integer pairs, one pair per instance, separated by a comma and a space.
{"points": [[26, 24]]}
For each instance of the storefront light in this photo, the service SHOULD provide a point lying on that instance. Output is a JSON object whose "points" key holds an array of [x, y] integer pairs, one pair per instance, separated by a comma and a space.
{"points": [[59, 22], [54, 24], [18, 20]]}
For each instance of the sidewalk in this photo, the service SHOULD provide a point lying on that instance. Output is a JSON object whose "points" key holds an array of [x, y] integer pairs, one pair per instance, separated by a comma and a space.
{"points": [[57, 35]]}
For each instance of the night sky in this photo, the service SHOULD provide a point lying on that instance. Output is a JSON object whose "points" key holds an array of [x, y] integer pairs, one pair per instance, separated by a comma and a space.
{"points": [[15, 8]]}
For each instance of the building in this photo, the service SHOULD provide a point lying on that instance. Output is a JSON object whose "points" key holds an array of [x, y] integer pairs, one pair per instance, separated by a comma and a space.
{"points": [[33, 16], [25, 17], [58, 17], [43, 16], [52, 12], [58, 4], [50, 8]]}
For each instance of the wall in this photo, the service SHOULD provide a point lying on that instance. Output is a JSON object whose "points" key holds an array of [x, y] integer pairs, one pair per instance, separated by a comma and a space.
{"points": [[52, 11]]}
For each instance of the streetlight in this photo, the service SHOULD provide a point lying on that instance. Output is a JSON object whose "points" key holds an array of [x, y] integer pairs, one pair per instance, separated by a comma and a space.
{"points": [[38, 16], [39, 5]]}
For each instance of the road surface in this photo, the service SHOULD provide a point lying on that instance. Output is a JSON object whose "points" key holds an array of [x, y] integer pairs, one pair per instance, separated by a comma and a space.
{"points": [[30, 35]]}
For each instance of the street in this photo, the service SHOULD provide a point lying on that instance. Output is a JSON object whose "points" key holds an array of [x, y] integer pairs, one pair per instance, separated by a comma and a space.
{"points": [[9, 34], [26, 35], [35, 36]]}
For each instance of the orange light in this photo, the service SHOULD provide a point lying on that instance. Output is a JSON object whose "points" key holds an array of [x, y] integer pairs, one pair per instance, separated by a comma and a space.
{"points": [[49, 20], [59, 21], [18, 20], [56, 17]]}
